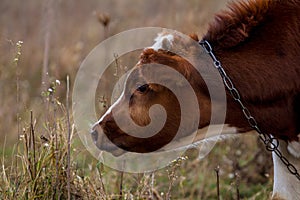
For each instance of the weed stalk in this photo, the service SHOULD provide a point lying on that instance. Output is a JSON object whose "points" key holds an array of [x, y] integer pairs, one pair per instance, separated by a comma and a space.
{"points": [[121, 185], [69, 141], [237, 184], [33, 143], [217, 170]]}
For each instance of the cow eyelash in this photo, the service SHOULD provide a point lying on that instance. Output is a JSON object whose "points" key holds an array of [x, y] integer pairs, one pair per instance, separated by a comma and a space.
{"points": [[143, 88]]}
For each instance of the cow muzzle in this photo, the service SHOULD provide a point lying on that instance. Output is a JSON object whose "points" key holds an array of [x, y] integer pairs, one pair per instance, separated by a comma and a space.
{"points": [[103, 142]]}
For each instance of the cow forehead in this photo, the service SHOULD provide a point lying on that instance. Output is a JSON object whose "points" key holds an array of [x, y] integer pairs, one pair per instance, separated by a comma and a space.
{"points": [[163, 41]]}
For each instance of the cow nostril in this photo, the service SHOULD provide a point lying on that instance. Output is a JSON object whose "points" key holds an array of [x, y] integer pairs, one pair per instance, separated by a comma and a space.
{"points": [[94, 134]]}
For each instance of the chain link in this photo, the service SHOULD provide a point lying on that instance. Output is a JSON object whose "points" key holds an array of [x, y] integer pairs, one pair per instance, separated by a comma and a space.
{"points": [[269, 141]]}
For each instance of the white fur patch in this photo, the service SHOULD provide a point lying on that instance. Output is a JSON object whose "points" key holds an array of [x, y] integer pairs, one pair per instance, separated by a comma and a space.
{"points": [[162, 41], [286, 185], [294, 148], [207, 135]]}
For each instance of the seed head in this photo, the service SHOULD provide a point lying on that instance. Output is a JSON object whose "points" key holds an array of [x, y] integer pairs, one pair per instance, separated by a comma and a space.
{"points": [[103, 19]]}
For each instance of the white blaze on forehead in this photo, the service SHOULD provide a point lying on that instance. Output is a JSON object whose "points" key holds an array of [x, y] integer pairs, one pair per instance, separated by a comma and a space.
{"points": [[163, 41]]}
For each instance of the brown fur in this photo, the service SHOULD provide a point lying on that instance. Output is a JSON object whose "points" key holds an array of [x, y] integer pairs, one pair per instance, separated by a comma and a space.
{"points": [[258, 43]]}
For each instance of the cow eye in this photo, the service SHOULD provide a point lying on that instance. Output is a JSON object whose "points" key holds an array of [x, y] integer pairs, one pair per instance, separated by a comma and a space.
{"points": [[143, 88]]}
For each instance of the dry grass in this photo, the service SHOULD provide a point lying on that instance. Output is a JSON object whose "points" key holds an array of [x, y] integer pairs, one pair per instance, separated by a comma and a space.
{"points": [[40, 172], [41, 154]]}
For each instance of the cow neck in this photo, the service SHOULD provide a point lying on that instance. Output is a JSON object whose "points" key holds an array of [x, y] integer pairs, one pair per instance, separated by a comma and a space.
{"points": [[271, 143]]}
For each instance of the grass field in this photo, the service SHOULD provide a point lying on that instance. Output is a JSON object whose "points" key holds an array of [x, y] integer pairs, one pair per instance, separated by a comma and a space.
{"points": [[36, 159]]}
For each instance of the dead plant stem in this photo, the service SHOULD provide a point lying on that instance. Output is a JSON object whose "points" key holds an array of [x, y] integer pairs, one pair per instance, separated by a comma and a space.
{"points": [[69, 140], [217, 169], [33, 143], [121, 186]]}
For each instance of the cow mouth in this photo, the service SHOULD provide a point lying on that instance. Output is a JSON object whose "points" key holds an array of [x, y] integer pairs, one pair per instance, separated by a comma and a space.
{"points": [[110, 147], [113, 149], [103, 143]]}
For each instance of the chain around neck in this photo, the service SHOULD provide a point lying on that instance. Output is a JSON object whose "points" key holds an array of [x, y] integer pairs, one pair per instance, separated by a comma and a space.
{"points": [[271, 143]]}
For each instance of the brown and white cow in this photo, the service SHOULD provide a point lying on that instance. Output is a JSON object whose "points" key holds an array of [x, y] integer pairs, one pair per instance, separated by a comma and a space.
{"points": [[258, 44]]}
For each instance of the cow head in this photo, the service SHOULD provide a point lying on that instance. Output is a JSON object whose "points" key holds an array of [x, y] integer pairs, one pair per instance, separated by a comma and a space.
{"points": [[145, 92]]}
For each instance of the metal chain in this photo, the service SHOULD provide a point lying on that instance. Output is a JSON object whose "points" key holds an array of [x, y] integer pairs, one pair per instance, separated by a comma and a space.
{"points": [[269, 141]]}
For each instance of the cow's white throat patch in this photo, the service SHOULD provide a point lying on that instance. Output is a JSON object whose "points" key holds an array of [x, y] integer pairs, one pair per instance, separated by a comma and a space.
{"points": [[294, 148]]}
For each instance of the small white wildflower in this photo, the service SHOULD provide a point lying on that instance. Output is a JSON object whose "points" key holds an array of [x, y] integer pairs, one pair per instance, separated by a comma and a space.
{"points": [[238, 152], [50, 90], [231, 175], [57, 82], [46, 145]]}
